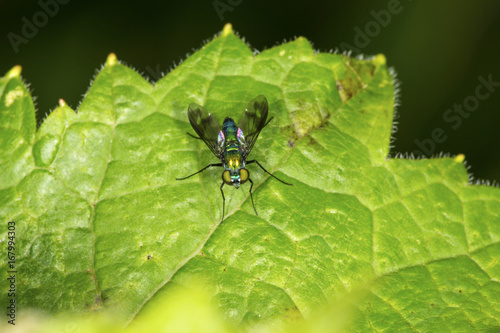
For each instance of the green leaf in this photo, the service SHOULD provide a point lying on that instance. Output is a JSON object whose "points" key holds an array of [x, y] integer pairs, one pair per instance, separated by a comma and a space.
{"points": [[101, 222]]}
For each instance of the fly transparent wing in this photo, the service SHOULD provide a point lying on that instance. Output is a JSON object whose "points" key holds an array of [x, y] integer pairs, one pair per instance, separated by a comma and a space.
{"points": [[253, 121], [206, 126]]}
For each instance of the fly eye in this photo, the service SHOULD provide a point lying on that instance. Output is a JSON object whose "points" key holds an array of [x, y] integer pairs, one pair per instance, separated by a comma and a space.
{"points": [[226, 178], [244, 174]]}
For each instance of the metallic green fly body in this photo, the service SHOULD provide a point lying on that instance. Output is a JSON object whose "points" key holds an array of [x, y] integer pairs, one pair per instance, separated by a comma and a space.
{"points": [[232, 144]]}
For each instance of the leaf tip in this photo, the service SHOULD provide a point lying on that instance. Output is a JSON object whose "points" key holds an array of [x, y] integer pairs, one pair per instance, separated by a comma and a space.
{"points": [[111, 60], [62, 102], [460, 158], [15, 71], [228, 29], [379, 60]]}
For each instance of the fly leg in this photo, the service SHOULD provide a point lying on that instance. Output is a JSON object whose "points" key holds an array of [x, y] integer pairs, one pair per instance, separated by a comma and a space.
{"points": [[252, 161], [208, 166], [193, 136], [223, 201], [251, 196]]}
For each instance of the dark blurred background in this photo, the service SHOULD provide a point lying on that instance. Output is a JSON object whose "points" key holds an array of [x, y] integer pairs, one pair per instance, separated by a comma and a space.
{"points": [[438, 48]]}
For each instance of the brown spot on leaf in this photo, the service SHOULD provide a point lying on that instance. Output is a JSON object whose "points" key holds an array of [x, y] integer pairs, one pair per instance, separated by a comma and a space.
{"points": [[293, 313]]}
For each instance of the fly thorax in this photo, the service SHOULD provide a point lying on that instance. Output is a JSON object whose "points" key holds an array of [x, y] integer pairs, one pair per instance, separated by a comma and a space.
{"points": [[233, 160]]}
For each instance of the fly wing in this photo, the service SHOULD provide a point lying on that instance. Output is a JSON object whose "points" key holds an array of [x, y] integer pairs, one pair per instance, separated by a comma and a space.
{"points": [[206, 126], [253, 121]]}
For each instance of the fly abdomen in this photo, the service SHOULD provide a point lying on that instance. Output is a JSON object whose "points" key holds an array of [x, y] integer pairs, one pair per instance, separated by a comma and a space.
{"points": [[229, 129]]}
